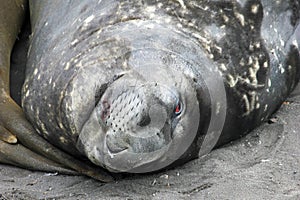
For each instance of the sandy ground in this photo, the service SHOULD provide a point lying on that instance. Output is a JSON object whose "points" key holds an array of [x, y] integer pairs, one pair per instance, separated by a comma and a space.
{"points": [[263, 165]]}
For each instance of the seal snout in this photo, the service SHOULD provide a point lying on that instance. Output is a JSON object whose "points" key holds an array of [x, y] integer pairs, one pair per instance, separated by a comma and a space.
{"points": [[135, 118], [123, 111]]}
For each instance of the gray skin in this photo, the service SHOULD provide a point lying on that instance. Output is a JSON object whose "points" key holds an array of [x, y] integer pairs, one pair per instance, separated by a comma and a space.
{"points": [[105, 79]]}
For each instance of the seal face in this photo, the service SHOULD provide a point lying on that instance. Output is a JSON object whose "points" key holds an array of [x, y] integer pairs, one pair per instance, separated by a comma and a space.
{"points": [[137, 85], [141, 120]]}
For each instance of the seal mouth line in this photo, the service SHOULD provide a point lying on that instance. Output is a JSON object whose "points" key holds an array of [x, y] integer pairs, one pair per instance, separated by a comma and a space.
{"points": [[115, 151]]}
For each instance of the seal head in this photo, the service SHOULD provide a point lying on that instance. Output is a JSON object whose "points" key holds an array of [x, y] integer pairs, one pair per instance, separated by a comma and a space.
{"points": [[142, 122]]}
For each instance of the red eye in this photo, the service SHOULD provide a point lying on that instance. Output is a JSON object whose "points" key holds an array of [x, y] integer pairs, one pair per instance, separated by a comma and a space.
{"points": [[178, 109]]}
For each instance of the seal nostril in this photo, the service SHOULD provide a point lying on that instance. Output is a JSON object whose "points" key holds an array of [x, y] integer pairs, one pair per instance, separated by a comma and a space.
{"points": [[105, 109], [144, 121], [106, 105]]}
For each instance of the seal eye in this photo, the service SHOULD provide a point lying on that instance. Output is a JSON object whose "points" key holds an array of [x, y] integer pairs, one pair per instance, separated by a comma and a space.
{"points": [[178, 109]]}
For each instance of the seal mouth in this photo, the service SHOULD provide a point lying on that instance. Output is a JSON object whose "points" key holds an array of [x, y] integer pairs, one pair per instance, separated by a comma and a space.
{"points": [[113, 149], [155, 140]]}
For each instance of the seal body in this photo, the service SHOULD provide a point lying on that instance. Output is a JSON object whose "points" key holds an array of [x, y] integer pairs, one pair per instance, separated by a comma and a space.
{"points": [[138, 85]]}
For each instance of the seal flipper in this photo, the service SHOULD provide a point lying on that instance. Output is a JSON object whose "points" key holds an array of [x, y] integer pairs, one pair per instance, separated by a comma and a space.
{"points": [[6, 136], [10, 24], [17, 154], [25, 157], [20, 156], [12, 118]]}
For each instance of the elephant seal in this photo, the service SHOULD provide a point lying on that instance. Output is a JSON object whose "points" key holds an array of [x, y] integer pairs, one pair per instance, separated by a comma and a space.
{"points": [[138, 86]]}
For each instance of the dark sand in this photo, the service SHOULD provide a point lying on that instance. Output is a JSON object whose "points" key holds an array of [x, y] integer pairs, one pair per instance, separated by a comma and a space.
{"points": [[263, 165]]}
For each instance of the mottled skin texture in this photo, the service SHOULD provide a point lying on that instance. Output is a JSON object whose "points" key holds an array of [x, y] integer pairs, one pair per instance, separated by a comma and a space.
{"points": [[252, 45], [31, 151]]}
